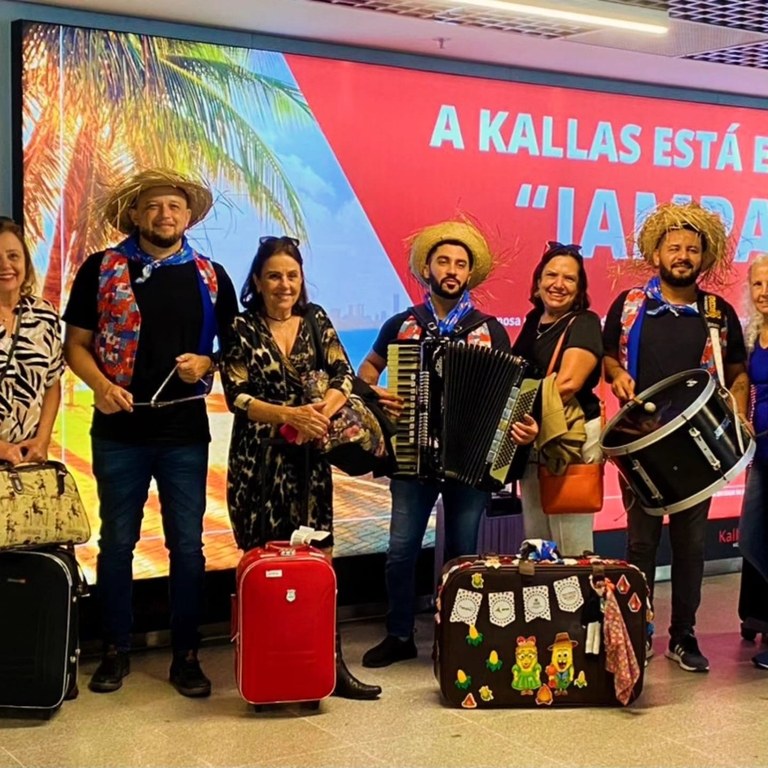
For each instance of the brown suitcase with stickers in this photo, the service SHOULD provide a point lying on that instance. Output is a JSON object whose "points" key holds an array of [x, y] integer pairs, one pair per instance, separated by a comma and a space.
{"points": [[512, 633]]}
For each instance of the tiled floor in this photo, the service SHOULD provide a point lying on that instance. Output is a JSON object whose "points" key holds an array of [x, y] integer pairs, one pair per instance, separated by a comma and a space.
{"points": [[681, 719]]}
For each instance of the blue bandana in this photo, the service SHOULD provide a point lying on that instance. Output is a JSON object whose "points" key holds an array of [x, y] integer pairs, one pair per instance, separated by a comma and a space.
{"points": [[131, 249], [653, 291], [450, 321]]}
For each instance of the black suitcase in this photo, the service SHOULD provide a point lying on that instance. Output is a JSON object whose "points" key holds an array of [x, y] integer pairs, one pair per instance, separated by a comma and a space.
{"points": [[39, 651], [520, 634], [753, 603]]}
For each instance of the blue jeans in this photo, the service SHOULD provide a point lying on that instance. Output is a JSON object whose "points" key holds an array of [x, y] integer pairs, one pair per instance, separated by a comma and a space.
{"points": [[412, 503], [753, 525], [687, 538], [123, 472]]}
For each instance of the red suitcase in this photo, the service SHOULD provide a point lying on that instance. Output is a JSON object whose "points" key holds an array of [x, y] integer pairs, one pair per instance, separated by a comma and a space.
{"points": [[284, 625]]}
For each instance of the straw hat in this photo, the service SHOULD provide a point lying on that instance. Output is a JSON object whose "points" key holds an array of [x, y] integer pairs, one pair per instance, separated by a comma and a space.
{"points": [[462, 231], [671, 216], [563, 638], [119, 202]]}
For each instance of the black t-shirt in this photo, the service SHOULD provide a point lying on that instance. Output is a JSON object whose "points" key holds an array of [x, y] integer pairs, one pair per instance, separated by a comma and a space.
{"points": [[171, 321], [390, 329], [536, 343], [670, 343]]}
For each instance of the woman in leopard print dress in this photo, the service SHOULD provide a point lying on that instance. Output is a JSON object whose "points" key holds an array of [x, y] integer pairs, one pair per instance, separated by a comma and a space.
{"points": [[274, 485]]}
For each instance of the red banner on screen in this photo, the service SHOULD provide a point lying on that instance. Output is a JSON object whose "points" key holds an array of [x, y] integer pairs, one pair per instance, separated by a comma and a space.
{"points": [[532, 163]]}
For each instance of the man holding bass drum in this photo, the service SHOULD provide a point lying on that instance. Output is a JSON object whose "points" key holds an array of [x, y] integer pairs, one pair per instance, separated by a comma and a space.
{"points": [[655, 331]]}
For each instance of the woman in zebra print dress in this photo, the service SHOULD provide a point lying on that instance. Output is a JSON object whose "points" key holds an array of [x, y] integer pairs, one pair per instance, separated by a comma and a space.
{"points": [[31, 359]]}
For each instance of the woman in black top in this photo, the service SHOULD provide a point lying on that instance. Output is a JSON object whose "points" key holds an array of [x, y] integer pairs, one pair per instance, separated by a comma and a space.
{"points": [[560, 300]]}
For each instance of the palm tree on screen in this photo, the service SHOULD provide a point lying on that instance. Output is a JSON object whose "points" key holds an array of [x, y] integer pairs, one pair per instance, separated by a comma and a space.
{"points": [[98, 105]]}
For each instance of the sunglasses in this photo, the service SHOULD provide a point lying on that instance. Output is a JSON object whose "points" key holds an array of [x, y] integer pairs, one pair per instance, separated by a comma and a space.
{"points": [[570, 249], [272, 238]]}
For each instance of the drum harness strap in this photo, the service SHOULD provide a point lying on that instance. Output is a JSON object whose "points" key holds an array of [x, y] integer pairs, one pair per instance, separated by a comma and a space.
{"points": [[713, 317]]}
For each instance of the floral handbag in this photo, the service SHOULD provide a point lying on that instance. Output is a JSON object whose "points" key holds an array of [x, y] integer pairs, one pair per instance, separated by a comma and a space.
{"points": [[355, 442], [40, 506]]}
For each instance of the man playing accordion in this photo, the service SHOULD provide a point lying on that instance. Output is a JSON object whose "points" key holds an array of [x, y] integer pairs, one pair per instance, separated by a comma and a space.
{"points": [[449, 259]]}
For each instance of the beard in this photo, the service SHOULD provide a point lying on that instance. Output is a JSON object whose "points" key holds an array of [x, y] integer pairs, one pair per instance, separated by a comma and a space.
{"points": [[679, 281], [161, 241], [445, 293]]}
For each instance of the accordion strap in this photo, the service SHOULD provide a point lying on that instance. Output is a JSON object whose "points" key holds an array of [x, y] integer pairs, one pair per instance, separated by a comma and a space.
{"points": [[426, 320]]}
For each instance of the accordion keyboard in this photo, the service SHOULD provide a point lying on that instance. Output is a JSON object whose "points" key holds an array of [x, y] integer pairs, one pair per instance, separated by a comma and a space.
{"points": [[404, 380]]}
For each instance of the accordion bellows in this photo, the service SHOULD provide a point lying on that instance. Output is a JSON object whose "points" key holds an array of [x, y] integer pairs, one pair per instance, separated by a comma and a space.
{"points": [[460, 403]]}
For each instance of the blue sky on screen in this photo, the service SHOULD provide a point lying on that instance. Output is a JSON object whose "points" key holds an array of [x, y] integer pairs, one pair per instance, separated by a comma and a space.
{"points": [[347, 270]]}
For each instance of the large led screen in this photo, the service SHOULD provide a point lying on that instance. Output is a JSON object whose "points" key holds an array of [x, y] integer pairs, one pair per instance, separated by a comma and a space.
{"points": [[353, 158]]}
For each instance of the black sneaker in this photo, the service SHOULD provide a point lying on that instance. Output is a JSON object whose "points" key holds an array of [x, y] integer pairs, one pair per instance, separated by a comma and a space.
{"points": [[108, 677], [648, 650], [687, 654], [187, 677], [761, 660], [390, 650]]}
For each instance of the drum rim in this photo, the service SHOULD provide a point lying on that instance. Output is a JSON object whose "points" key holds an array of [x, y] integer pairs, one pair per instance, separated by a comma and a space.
{"points": [[671, 426], [709, 491]]}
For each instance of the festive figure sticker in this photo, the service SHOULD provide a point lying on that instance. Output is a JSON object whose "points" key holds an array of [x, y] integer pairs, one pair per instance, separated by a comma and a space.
{"points": [[469, 702], [502, 608], [622, 585], [560, 671], [536, 603], [486, 694], [544, 696], [526, 672], [474, 637], [463, 680], [477, 580], [635, 603], [569, 596], [493, 662], [466, 606]]}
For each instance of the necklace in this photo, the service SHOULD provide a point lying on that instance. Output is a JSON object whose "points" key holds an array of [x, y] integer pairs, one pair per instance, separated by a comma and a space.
{"points": [[279, 319], [542, 329]]}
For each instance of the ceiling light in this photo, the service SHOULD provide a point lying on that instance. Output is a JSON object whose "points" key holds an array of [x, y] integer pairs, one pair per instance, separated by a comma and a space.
{"points": [[596, 18]]}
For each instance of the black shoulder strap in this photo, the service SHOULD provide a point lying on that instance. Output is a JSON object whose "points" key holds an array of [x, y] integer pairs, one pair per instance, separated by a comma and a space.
{"points": [[425, 319], [712, 309], [14, 340], [317, 340]]}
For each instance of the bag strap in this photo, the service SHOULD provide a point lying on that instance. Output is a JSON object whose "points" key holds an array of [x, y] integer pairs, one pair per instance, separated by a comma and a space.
{"points": [[558, 347], [14, 341], [601, 384], [317, 340]]}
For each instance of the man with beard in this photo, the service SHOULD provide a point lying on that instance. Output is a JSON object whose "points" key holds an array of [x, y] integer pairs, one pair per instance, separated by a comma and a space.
{"points": [[665, 327], [450, 259], [141, 321]]}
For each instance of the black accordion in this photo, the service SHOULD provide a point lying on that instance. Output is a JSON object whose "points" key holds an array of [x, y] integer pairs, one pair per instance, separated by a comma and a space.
{"points": [[460, 403]]}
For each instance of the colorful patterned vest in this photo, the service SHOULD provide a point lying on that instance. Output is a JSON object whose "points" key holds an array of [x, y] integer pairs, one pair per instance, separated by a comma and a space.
{"points": [[116, 340], [711, 311]]}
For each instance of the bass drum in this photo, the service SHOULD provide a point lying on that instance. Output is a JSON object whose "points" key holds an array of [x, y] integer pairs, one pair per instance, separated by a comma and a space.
{"points": [[678, 442]]}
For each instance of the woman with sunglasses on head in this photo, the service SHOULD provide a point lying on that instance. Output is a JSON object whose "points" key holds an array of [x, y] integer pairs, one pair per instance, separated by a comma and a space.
{"points": [[275, 483], [31, 360], [561, 310]]}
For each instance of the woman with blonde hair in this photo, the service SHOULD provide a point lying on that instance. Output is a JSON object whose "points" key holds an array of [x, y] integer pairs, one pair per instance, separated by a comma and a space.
{"points": [[753, 526], [31, 359]]}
